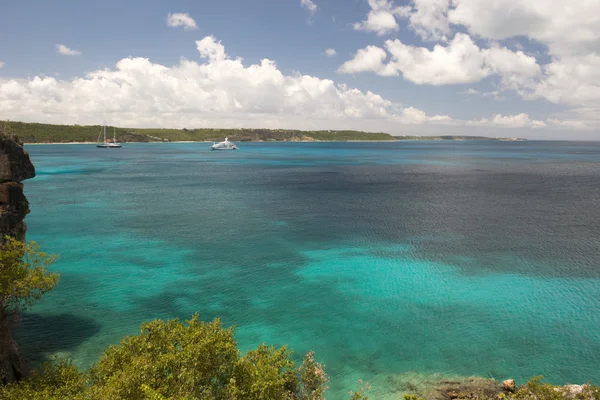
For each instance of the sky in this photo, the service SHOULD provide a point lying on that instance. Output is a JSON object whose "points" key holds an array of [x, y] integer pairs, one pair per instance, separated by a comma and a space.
{"points": [[504, 68]]}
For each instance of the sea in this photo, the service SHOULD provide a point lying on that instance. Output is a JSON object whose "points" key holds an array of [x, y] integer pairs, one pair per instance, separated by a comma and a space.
{"points": [[397, 263]]}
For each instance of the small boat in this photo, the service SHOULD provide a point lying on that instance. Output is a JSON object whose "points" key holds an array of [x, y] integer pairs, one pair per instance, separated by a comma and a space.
{"points": [[226, 145], [107, 144]]}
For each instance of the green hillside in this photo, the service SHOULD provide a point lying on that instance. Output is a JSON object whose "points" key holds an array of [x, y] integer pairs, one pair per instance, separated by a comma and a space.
{"points": [[45, 133]]}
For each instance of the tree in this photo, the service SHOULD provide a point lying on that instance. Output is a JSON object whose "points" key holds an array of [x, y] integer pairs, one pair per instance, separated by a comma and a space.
{"points": [[24, 279], [199, 360], [176, 360]]}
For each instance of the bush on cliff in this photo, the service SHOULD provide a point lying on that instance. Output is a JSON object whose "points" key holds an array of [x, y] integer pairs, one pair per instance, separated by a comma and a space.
{"points": [[536, 390], [175, 360], [24, 279]]}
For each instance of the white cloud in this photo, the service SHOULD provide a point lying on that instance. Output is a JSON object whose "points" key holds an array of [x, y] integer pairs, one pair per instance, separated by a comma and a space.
{"points": [[309, 5], [471, 91], [461, 61], [221, 92], [64, 50], [370, 58], [1, 64], [566, 26], [429, 20], [495, 94], [330, 52], [382, 17], [567, 30], [212, 49], [571, 80], [509, 121], [181, 20]]}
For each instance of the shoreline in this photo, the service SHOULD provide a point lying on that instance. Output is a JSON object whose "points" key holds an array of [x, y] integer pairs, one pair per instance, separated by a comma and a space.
{"points": [[211, 141], [296, 141]]}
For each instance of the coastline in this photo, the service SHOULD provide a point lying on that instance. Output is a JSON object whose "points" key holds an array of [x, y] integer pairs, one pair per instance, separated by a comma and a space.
{"points": [[210, 141], [293, 141]]}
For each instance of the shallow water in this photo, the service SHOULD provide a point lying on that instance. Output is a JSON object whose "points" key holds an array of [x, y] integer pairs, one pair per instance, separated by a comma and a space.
{"points": [[461, 258]]}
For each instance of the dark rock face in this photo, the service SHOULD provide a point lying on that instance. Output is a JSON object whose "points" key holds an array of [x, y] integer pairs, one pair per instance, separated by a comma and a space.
{"points": [[15, 166], [13, 366]]}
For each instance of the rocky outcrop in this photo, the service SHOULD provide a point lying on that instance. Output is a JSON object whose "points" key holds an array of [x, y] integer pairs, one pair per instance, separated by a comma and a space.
{"points": [[15, 166], [468, 388], [509, 385]]}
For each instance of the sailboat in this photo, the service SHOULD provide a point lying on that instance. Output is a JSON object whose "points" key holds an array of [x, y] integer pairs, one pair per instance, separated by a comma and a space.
{"points": [[106, 144]]}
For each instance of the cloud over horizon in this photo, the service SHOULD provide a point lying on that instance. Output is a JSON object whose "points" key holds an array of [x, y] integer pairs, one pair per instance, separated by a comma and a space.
{"points": [[219, 91], [467, 46]]}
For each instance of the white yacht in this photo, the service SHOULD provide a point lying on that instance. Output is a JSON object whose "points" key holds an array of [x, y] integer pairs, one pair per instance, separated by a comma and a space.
{"points": [[226, 145], [107, 144]]}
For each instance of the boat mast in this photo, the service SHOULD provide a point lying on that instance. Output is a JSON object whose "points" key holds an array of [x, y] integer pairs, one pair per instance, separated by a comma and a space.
{"points": [[114, 135], [104, 133]]}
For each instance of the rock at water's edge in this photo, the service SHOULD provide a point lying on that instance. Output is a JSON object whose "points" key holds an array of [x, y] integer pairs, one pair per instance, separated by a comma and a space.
{"points": [[509, 385], [15, 164]]}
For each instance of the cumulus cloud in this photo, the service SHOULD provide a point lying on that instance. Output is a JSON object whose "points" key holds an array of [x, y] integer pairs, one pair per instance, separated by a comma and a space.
{"points": [[309, 5], [219, 91], [371, 58], [461, 61], [509, 121], [181, 20], [566, 26], [568, 30], [428, 18], [382, 17], [330, 52], [65, 51], [574, 81]]}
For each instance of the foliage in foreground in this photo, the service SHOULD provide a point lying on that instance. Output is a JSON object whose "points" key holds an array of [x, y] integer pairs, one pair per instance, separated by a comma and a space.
{"points": [[24, 277], [175, 360], [536, 390]]}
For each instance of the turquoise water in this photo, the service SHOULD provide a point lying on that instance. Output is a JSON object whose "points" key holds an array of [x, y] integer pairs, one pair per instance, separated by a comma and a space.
{"points": [[460, 258]]}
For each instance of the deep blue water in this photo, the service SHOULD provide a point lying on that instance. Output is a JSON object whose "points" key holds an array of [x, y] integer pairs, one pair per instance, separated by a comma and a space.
{"points": [[462, 258]]}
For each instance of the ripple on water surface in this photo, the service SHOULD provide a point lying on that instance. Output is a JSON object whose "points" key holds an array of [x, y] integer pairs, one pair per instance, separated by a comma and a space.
{"points": [[461, 259]]}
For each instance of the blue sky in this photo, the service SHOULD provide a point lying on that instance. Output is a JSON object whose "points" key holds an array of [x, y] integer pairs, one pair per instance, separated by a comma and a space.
{"points": [[433, 66]]}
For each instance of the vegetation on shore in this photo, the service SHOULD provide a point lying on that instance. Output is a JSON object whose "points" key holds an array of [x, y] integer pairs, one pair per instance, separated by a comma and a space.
{"points": [[176, 360], [46, 133], [24, 278]]}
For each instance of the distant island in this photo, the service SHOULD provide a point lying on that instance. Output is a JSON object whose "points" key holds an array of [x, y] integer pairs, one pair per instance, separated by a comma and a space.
{"points": [[46, 133]]}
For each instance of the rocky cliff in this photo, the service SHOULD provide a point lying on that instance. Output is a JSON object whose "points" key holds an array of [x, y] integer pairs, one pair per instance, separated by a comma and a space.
{"points": [[15, 167]]}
